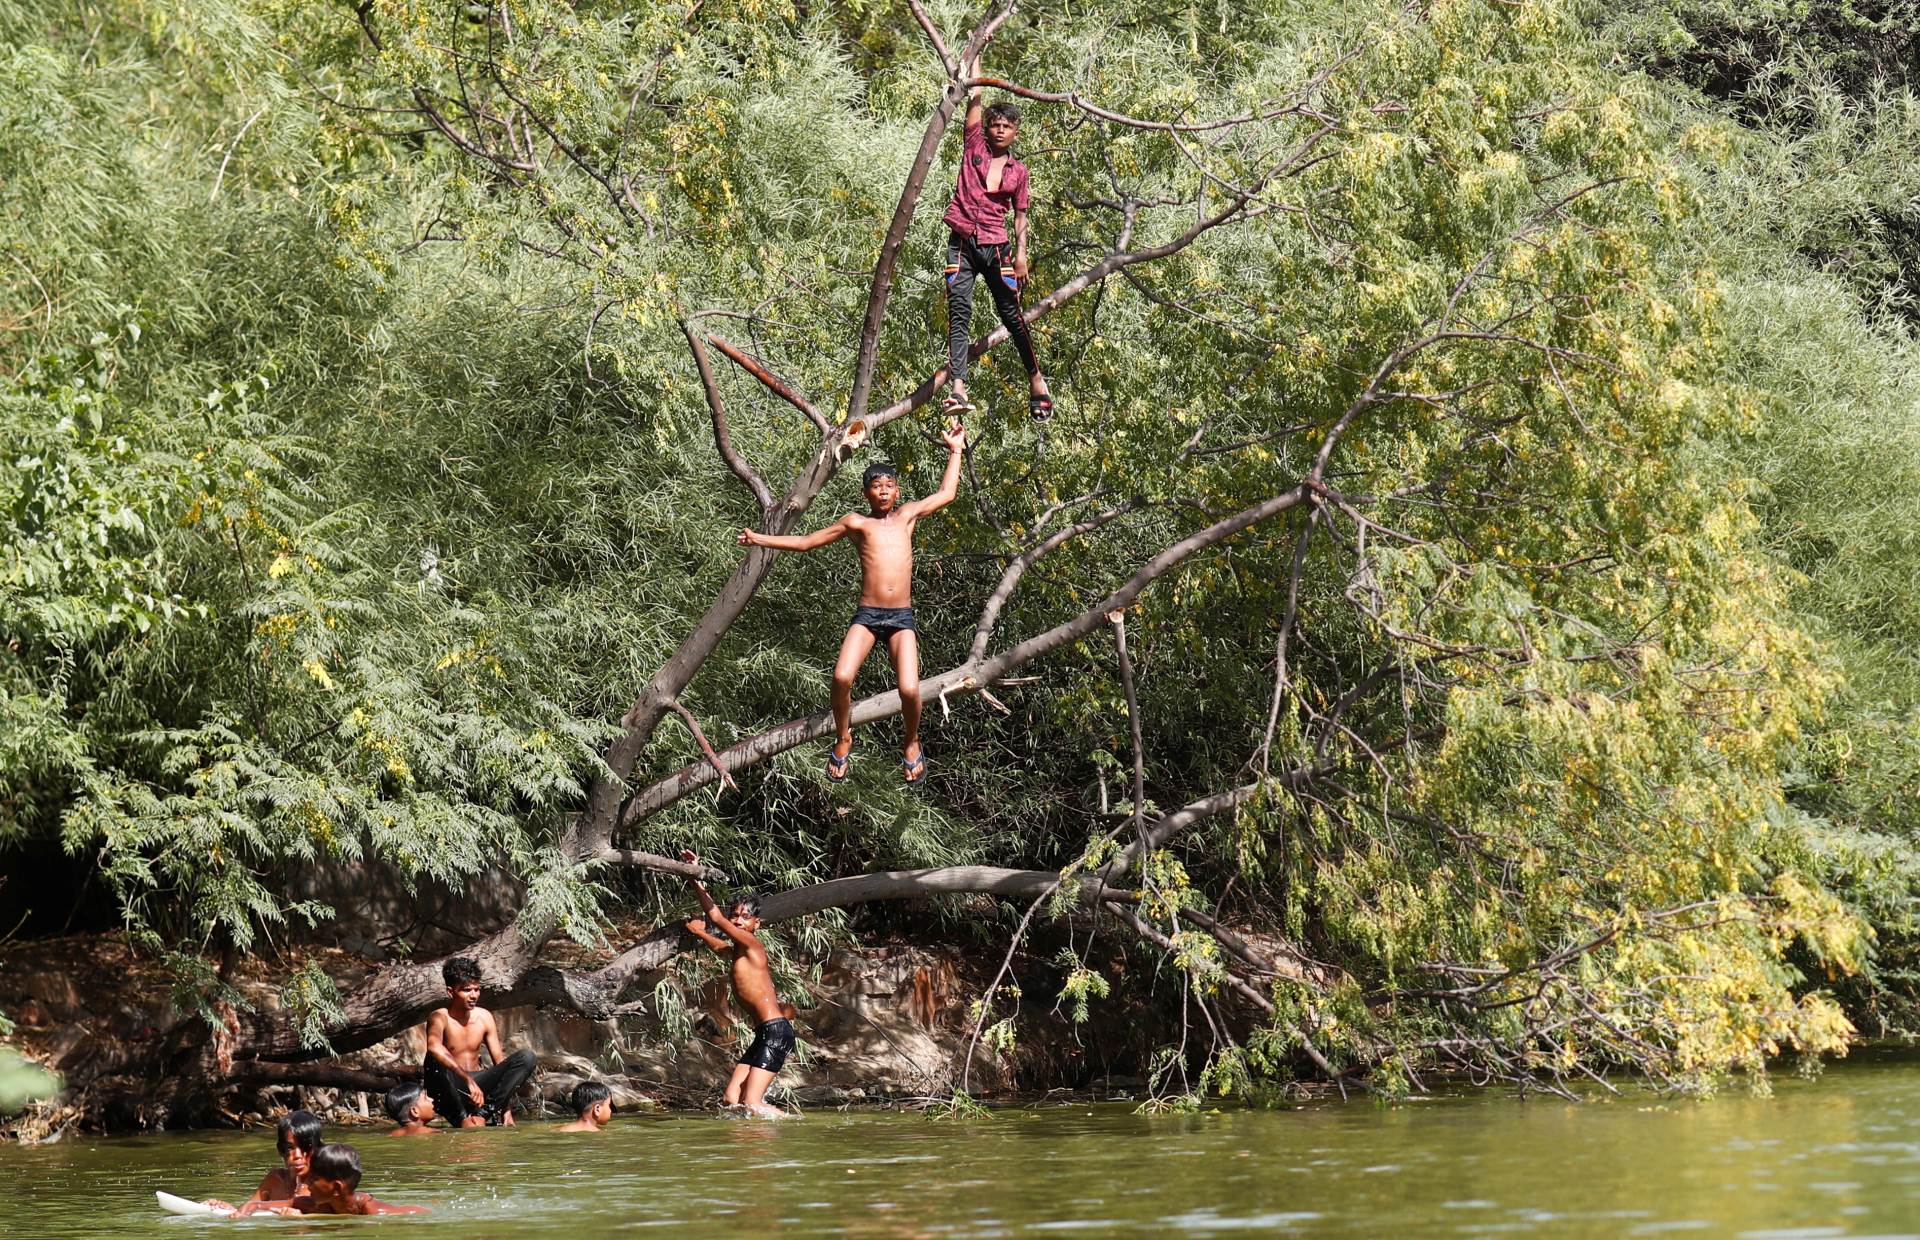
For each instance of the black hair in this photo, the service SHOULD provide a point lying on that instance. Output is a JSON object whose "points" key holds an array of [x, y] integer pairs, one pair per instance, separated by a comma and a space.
{"points": [[746, 902], [879, 469], [588, 1095], [1005, 108], [337, 1162], [460, 970], [301, 1128], [400, 1100]]}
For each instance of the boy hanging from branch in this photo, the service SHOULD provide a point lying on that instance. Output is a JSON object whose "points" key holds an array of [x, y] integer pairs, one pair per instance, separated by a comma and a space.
{"points": [[752, 987], [884, 536], [990, 183]]}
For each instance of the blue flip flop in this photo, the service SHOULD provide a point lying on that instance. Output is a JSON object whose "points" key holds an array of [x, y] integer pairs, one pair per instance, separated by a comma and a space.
{"points": [[837, 765], [914, 772]]}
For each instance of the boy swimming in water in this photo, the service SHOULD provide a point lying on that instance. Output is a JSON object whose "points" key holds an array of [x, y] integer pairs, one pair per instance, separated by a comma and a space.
{"points": [[333, 1188], [990, 183], [884, 536], [411, 1107], [297, 1134], [464, 1094], [592, 1105], [753, 987]]}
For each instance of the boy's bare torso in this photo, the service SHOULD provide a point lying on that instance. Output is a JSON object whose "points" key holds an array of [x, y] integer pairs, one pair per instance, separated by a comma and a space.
{"points": [[886, 557], [463, 1038], [753, 979]]}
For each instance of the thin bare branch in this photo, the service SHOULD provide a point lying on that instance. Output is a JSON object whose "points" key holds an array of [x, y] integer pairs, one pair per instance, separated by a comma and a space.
{"points": [[722, 439], [693, 726], [775, 384]]}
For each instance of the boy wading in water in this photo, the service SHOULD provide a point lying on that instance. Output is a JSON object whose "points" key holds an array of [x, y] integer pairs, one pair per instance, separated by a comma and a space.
{"points": [[753, 987], [333, 1188], [462, 1093], [991, 183], [884, 536]]}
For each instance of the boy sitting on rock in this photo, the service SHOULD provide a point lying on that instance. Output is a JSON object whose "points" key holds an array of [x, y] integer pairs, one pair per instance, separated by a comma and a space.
{"points": [[467, 1096]]}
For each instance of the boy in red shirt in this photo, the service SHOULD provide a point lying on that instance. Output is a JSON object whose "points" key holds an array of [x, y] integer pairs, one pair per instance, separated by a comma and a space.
{"points": [[991, 183]]}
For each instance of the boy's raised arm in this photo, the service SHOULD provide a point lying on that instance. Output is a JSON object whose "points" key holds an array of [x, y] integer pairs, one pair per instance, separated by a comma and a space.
{"points": [[794, 542], [975, 109], [712, 910], [955, 437]]}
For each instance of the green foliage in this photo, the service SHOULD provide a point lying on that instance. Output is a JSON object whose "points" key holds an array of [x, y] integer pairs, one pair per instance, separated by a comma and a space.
{"points": [[23, 1081], [358, 475], [1798, 121], [960, 1105], [315, 1002]]}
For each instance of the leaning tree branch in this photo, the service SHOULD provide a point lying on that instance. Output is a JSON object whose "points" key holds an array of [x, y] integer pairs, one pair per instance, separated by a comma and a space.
{"points": [[722, 439], [327, 1076], [947, 60], [775, 384], [664, 865], [970, 676], [693, 726]]}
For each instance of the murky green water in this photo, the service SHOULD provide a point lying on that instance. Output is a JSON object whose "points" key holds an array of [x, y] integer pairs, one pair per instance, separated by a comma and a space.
{"points": [[1839, 1156]]}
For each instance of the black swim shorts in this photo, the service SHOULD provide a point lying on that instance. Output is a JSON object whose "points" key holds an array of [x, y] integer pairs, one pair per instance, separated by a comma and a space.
{"points": [[771, 1046], [884, 622]]}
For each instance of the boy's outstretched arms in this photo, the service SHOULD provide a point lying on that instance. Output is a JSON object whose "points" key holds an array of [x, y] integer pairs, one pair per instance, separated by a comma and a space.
{"points": [[794, 542], [369, 1206], [713, 915], [955, 437]]}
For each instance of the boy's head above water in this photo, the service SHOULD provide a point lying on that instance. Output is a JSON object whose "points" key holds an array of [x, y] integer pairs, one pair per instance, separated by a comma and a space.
{"points": [[1002, 124], [462, 975], [297, 1135], [335, 1173], [592, 1100], [881, 485], [409, 1103]]}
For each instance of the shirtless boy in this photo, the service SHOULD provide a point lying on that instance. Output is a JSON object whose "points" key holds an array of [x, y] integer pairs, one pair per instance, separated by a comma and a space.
{"points": [[333, 1188], [411, 1107], [461, 1092], [991, 182], [753, 988], [297, 1134], [592, 1105], [884, 536]]}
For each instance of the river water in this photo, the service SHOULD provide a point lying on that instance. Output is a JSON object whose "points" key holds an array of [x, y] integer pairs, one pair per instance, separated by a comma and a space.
{"points": [[1839, 1156]]}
